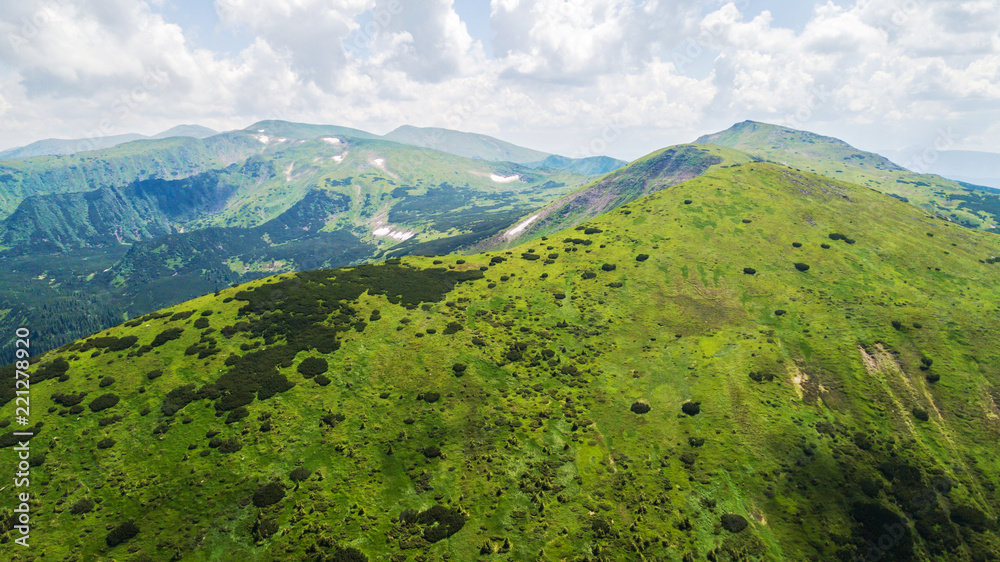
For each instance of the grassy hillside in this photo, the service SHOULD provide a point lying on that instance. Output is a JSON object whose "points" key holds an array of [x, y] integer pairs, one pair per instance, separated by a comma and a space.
{"points": [[668, 381], [653, 172], [971, 206]]}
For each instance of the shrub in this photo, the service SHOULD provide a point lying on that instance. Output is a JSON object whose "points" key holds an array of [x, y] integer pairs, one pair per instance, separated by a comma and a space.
{"points": [[177, 399], [322, 380], [640, 408], [696, 441], [237, 414], [921, 414], [181, 315], [348, 554], [453, 327], [264, 528], [780, 312], [897, 325], [201, 323], [165, 336], [440, 522], [691, 408], [154, 374], [312, 366], [106, 382], [68, 400], [230, 446], [121, 533], [530, 257], [106, 443], [688, 201], [299, 474], [837, 236], [431, 451], [760, 377], [83, 505], [733, 523], [431, 397], [825, 246], [609, 267], [589, 275], [104, 402], [932, 377], [268, 494], [459, 369], [796, 244], [749, 271], [801, 266], [642, 257]]}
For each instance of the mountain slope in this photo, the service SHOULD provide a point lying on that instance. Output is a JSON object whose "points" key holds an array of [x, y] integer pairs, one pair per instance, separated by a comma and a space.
{"points": [[971, 206], [663, 383], [172, 158], [658, 170]]}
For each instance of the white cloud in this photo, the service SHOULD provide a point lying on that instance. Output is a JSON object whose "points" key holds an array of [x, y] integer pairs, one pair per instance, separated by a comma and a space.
{"points": [[626, 76]]}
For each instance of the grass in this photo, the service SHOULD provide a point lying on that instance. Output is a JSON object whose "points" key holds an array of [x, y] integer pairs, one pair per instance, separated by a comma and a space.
{"points": [[540, 448]]}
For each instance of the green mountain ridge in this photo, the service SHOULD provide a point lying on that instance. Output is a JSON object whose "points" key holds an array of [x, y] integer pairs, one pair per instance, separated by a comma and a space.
{"points": [[970, 206], [56, 147], [757, 363]]}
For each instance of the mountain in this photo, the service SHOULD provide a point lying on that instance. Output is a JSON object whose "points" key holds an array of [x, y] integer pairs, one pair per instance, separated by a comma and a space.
{"points": [[659, 170], [171, 158], [969, 166], [193, 131], [591, 166], [53, 147], [469, 145], [758, 363], [76, 262], [968, 205]]}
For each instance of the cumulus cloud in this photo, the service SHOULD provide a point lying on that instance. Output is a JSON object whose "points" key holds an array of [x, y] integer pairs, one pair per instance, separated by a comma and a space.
{"points": [[562, 73]]}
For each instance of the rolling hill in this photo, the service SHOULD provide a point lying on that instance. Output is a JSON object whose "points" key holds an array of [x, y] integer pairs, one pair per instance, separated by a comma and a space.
{"points": [[758, 363], [968, 205], [55, 147]]}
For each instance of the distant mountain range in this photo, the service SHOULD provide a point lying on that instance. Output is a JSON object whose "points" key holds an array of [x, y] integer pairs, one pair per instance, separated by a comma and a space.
{"points": [[52, 147], [969, 166]]}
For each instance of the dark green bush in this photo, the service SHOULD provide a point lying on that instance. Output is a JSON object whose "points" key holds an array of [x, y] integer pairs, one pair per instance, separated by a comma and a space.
{"points": [[166, 335], [201, 323], [431, 397], [237, 414], [688, 201], [459, 368], [106, 382], [322, 380], [933, 377], [779, 312], [68, 400], [154, 374], [609, 267], [346, 554], [691, 408], [121, 533], [106, 443], [589, 275], [801, 266], [696, 441], [530, 257], [299, 474], [749, 271], [837, 236], [230, 446], [268, 494], [177, 399], [181, 315], [921, 414], [640, 408], [825, 246], [312, 366], [642, 257], [796, 244], [452, 328], [104, 402], [440, 522], [83, 505], [431, 451], [734, 523]]}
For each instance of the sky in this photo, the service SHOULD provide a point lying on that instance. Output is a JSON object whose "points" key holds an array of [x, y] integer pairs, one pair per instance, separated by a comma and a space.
{"points": [[574, 77]]}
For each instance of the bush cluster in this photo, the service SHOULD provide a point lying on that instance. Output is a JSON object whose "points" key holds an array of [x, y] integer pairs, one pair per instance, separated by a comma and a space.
{"points": [[104, 402], [312, 366], [640, 408], [121, 533], [268, 494], [691, 408]]}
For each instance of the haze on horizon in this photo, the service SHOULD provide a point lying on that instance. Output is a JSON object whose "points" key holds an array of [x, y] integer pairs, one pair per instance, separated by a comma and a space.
{"points": [[550, 74]]}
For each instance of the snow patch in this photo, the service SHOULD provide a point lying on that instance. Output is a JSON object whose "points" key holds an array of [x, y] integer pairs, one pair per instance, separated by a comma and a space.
{"points": [[331, 140], [388, 232], [264, 139], [504, 179], [339, 158], [288, 172], [380, 162], [520, 228], [281, 140]]}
